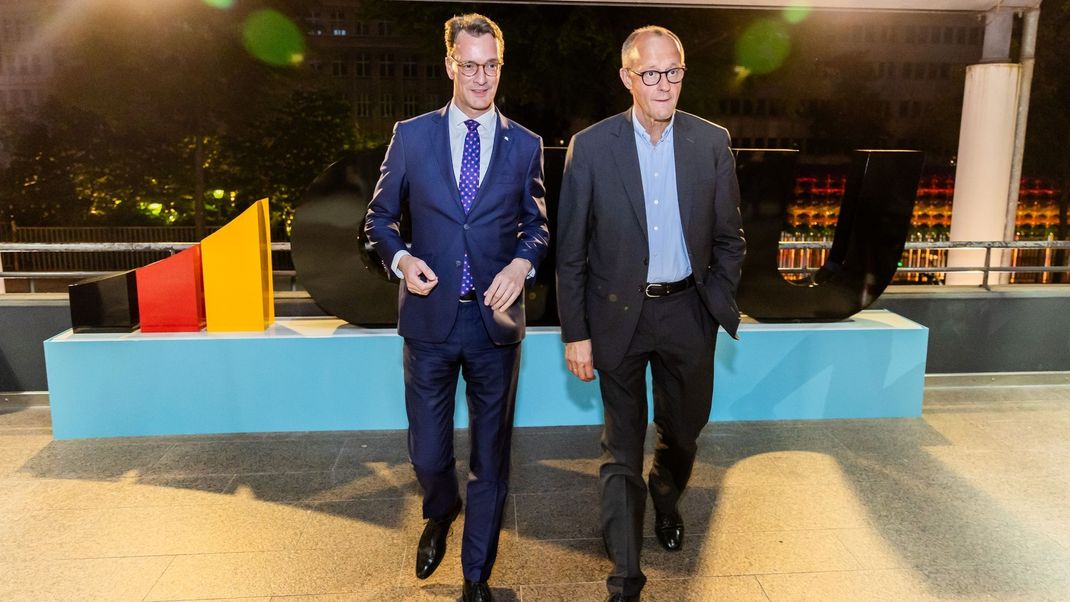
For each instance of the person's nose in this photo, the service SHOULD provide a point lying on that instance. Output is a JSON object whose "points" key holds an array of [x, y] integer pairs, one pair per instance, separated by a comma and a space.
{"points": [[481, 76]]}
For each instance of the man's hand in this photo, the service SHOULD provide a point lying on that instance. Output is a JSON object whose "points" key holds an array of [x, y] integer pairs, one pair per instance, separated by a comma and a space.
{"points": [[507, 285], [580, 359], [419, 278]]}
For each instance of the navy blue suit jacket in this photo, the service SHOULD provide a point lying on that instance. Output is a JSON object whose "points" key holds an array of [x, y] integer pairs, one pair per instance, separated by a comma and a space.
{"points": [[507, 220]]}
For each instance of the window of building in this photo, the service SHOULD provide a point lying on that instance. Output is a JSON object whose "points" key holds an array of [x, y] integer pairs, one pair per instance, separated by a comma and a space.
{"points": [[934, 70], [748, 106], [945, 71], [361, 65], [760, 107], [434, 70], [934, 37], [856, 33], [3, 100], [385, 28], [362, 106], [960, 35], [923, 35], [745, 143], [891, 70], [432, 102], [315, 23], [880, 70], [360, 28], [733, 106], [911, 34], [915, 108], [904, 108], [919, 70], [386, 65], [338, 23], [35, 65], [949, 35], [871, 33], [908, 70], [759, 142], [409, 105], [410, 69], [339, 69], [975, 35], [24, 65], [386, 105]]}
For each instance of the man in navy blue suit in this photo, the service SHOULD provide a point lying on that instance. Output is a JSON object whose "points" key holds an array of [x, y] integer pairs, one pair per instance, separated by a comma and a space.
{"points": [[472, 180]]}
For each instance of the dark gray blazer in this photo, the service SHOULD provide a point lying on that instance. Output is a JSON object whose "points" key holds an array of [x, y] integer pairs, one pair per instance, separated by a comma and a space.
{"points": [[602, 242]]}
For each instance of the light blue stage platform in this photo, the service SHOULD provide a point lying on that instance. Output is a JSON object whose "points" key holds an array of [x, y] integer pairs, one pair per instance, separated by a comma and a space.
{"points": [[308, 374]]}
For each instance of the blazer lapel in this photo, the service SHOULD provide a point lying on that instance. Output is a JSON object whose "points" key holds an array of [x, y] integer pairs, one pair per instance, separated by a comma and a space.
{"points": [[627, 159], [502, 145], [686, 174], [440, 146]]}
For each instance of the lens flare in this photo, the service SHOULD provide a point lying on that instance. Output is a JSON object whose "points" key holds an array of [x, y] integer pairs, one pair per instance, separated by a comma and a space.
{"points": [[763, 47], [273, 38], [797, 13]]}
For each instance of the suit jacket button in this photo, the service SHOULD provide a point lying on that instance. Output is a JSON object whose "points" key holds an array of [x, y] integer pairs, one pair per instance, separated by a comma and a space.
{"points": [[466, 226], [646, 261], [457, 263]]}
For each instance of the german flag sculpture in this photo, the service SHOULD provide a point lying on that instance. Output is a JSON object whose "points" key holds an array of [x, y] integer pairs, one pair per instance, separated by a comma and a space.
{"points": [[224, 282]]}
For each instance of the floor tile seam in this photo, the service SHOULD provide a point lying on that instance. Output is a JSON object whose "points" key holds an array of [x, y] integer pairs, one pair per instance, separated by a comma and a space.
{"points": [[157, 580], [553, 492]]}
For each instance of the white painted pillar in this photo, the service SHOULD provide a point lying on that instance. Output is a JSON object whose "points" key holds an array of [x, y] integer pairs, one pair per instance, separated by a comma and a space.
{"points": [[983, 170]]}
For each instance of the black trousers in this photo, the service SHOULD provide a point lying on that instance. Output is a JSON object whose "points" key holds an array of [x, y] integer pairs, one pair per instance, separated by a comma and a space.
{"points": [[675, 337]]}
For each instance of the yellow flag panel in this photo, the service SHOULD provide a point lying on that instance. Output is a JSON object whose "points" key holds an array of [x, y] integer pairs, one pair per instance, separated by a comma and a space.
{"points": [[238, 292]]}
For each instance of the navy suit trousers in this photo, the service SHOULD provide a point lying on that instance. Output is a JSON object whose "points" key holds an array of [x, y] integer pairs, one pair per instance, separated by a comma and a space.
{"points": [[490, 374]]}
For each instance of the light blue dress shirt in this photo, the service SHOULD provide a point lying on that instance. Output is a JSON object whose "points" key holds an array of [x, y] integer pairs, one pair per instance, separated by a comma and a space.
{"points": [[664, 229]]}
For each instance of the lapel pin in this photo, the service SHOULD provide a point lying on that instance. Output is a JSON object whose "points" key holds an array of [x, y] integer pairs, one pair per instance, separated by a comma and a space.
{"points": [[506, 138]]}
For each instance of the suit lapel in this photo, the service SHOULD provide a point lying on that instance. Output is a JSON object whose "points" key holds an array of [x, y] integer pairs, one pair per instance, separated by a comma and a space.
{"points": [[627, 159], [686, 175], [502, 145], [444, 156]]}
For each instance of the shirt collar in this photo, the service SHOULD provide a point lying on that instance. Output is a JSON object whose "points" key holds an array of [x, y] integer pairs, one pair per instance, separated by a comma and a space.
{"points": [[642, 133], [486, 120]]}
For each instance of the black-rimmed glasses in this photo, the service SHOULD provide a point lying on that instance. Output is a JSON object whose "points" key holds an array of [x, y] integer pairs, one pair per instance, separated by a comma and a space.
{"points": [[470, 68], [653, 78]]}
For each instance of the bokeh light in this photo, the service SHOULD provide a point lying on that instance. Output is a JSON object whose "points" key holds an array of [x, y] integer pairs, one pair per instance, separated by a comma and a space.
{"points": [[273, 38], [763, 47], [221, 4], [797, 13]]}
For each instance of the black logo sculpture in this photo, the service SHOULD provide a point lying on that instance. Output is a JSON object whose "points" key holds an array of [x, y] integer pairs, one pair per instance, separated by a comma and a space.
{"points": [[871, 229], [341, 272]]}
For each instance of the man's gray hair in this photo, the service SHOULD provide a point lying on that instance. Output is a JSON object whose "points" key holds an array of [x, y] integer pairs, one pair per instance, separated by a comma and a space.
{"points": [[474, 24], [629, 43]]}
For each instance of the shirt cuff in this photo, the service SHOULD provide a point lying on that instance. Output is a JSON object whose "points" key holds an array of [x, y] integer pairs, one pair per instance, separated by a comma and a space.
{"points": [[394, 263]]}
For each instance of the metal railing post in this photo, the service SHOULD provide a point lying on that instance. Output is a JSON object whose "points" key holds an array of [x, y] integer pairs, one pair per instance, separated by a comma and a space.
{"points": [[988, 265]]}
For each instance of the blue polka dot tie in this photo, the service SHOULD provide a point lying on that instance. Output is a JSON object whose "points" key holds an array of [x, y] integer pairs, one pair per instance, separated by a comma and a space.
{"points": [[468, 185]]}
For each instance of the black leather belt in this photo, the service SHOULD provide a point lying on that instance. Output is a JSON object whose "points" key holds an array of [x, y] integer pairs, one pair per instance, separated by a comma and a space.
{"points": [[664, 289], [469, 296]]}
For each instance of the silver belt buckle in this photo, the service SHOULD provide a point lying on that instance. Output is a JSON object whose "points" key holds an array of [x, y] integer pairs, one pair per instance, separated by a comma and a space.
{"points": [[646, 290]]}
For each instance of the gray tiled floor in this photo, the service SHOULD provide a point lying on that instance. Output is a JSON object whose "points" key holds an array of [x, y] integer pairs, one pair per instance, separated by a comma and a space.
{"points": [[970, 502]]}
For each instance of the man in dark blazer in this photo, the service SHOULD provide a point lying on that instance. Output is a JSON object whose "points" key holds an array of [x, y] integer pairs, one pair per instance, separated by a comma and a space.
{"points": [[472, 180], [648, 259]]}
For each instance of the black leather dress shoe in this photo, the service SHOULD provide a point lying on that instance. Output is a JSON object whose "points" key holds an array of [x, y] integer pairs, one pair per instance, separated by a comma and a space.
{"points": [[670, 531], [622, 598], [433, 544], [476, 591]]}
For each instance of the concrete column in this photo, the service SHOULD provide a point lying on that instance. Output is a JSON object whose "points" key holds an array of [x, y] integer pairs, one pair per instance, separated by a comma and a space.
{"points": [[983, 170]]}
